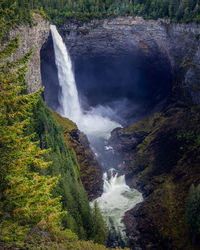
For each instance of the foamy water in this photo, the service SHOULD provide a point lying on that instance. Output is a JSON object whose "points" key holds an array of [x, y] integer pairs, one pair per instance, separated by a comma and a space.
{"points": [[117, 197]]}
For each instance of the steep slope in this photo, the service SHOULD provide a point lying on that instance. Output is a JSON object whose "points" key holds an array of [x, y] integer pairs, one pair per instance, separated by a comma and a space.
{"points": [[90, 171], [48, 200], [161, 157], [32, 37]]}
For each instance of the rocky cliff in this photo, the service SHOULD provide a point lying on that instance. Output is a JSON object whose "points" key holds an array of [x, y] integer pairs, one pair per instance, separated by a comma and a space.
{"points": [[90, 171], [36, 36], [175, 44], [32, 36], [160, 154]]}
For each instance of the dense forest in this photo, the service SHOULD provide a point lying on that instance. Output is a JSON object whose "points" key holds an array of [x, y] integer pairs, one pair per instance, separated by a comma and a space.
{"points": [[38, 207], [42, 199], [59, 10]]}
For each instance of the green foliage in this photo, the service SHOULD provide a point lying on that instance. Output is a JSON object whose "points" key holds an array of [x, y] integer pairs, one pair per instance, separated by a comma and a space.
{"points": [[80, 218], [85, 10], [31, 188], [189, 134], [100, 232], [16, 12], [26, 199], [193, 211]]}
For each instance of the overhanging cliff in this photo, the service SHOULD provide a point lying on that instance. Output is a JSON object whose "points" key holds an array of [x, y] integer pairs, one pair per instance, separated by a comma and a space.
{"points": [[176, 46]]}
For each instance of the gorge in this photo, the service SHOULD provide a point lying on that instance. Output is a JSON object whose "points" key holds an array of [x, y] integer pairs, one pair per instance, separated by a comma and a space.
{"points": [[138, 68], [124, 94], [117, 198]]}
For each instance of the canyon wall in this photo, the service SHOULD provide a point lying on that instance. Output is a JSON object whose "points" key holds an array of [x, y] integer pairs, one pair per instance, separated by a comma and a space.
{"points": [[159, 154], [154, 158], [176, 44], [32, 36]]}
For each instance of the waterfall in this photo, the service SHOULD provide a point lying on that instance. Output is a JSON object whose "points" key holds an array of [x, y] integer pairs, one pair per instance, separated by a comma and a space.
{"points": [[69, 95], [92, 122], [117, 197]]}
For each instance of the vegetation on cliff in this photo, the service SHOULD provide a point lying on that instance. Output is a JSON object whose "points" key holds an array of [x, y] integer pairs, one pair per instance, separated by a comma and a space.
{"points": [[42, 199], [166, 163], [90, 171], [193, 211], [80, 217], [59, 10]]}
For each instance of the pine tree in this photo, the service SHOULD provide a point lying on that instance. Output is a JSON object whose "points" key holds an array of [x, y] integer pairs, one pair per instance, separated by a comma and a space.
{"points": [[100, 229], [25, 200], [193, 211]]}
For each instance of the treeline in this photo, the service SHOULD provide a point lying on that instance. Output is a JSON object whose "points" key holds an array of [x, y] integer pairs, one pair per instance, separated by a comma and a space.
{"points": [[42, 198], [80, 217], [59, 10]]}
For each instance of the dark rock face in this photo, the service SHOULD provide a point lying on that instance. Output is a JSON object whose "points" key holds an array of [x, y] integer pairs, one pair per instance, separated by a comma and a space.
{"points": [[162, 164], [90, 171], [177, 44], [49, 75], [130, 74], [113, 36]]}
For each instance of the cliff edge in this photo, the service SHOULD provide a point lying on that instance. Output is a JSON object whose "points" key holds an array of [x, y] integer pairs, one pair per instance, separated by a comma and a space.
{"points": [[32, 36]]}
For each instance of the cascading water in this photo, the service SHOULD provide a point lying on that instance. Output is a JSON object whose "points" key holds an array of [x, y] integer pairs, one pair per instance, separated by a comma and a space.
{"points": [[69, 96], [91, 122], [117, 197]]}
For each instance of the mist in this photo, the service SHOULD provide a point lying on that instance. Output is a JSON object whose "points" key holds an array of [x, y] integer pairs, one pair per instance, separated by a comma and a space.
{"points": [[125, 88], [130, 87], [100, 94]]}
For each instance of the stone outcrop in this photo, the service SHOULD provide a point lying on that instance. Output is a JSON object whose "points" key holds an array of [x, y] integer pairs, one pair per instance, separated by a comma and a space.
{"points": [[160, 157], [90, 171], [177, 44], [36, 36], [32, 36]]}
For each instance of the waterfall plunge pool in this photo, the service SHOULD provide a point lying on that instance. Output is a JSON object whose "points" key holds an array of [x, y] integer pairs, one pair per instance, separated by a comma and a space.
{"points": [[117, 197]]}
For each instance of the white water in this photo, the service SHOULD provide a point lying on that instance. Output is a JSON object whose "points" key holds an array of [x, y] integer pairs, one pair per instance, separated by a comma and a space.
{"points": [[117, 197], [92, 123]]}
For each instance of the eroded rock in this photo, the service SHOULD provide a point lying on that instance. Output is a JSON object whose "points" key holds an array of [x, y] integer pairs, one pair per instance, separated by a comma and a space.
{"points": [[177, 44], [32, 36]]}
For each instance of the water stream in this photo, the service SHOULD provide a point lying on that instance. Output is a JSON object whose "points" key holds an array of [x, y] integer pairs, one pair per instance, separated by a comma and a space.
{"points": [[117, 197], [91, 122]]}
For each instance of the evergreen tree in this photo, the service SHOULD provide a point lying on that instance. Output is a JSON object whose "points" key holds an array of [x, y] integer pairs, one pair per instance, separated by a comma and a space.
{"points": [[25, 199], [193, 211], [100, 230], [64, 163], [59, 10]]}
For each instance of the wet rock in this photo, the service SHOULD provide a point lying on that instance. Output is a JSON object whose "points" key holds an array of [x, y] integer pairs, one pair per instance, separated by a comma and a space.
{"points": [[126, 142], [162, 167], [177, 44]]}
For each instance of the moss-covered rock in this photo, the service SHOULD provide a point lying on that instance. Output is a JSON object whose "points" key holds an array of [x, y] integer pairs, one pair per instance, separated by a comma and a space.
{"points": [[162, 164], [90, 171]]}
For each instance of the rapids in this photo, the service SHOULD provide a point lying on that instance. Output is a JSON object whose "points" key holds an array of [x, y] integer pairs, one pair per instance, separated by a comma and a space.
{"points": [[117, 197]]}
